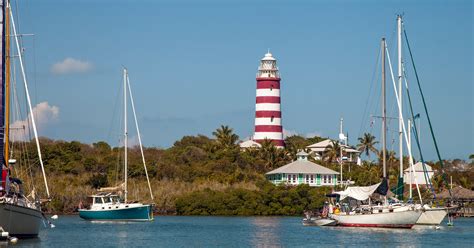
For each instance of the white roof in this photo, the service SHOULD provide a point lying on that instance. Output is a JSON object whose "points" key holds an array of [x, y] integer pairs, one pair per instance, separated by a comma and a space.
{"points": [[419, 167], [302, 167], [249, 143], [322, 146]]}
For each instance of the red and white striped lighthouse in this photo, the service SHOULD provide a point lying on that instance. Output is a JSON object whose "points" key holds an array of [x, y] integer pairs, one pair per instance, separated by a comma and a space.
{"points": [[268, 112]]}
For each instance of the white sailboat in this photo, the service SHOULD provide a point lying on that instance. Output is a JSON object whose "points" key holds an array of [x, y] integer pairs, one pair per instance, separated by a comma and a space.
{"points": [[20, 215], [106, 205], [430, 215], [382, 215]]}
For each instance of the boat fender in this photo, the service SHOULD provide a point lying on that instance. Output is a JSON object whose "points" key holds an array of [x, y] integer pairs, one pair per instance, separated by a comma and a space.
{"points": [[13, 240]]}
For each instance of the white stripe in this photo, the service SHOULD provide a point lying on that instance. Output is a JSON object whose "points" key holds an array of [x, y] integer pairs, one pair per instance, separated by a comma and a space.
{"points": [[268, 121], [268, 92], [268, 135], [267, 107]]}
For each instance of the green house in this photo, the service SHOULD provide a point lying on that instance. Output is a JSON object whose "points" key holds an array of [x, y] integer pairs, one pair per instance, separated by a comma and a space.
{"points": [[303, 171]]}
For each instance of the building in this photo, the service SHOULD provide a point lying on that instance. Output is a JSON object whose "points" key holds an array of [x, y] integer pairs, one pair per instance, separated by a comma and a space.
{"points": [[249, 144], [268, 123], [348, 154], [303, 171], [419, 173]]}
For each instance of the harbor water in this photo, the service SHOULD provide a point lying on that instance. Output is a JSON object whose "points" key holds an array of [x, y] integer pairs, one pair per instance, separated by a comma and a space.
{"points": [[184, 231]]}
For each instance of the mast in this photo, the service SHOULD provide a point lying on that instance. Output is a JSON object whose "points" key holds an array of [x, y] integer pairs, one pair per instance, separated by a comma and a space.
{"points": [[400, 119], [340, 156], [125, 132], [7, 85], [3, 164], [384, 112], [28, 99], [411, 156]]}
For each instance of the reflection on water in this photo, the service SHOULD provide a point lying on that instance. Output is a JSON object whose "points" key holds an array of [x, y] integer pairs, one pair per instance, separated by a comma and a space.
{"points": [[266, 232], [175, 231]]}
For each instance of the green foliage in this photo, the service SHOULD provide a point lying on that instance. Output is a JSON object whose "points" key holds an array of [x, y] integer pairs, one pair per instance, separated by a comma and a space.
{"points": [[270, 200], [98, 181]]}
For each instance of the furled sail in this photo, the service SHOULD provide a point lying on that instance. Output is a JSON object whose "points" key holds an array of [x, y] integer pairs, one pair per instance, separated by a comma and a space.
{"points": [[358, 193], [3, 165]]}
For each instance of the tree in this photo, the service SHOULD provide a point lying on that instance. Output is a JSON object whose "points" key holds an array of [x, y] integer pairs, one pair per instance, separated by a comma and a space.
{"points": [[225, 137], [367, 144], [333, 151]]}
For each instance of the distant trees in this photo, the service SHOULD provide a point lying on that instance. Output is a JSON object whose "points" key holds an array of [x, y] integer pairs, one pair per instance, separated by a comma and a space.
{"points": [[226, 137], [367, 144], [333, 151]]}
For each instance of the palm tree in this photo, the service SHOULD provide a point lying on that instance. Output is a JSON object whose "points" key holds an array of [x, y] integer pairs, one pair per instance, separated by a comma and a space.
{"points": [[269, 153], [333, 151], [367, 144], [225, 136]]}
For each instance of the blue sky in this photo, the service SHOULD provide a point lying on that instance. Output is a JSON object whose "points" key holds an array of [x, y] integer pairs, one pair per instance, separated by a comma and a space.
{"points": [[192, 65]]}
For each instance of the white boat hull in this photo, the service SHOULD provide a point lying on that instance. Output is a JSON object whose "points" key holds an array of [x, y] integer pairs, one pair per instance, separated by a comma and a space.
{"points": [[432, 216], [401, 219], [20, 221]]}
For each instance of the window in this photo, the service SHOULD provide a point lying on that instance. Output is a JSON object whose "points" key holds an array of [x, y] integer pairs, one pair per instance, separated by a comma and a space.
{"points": [[289, 178], [271, 86], [330, 179], [324, 179], [97, 200], [106, 199], [271, 119], [294, 178], [312, 178], [307, 178]]}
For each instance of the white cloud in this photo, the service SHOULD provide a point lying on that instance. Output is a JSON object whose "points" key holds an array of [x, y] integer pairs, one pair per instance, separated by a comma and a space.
{"points": [[70, 65], [43, 113]]}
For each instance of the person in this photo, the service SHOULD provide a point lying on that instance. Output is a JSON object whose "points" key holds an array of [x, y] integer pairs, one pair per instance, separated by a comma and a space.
{"points": [[331, 208]]}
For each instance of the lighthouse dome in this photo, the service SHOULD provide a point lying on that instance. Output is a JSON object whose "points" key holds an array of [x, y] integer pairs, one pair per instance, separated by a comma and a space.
{"points": [[268, 56]]}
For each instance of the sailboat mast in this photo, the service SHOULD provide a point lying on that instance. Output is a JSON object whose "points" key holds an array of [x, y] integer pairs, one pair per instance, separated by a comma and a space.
{"points": [[411, 156], [7, 85], [400, 119], [384, 112], [125, 131], [28, 99]]}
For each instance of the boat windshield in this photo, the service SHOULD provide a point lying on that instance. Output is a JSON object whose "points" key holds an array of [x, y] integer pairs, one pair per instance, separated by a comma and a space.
{"points": [[97, 200], [107, 199]]}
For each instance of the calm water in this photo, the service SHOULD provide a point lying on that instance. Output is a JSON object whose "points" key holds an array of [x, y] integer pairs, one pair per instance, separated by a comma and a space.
{"points": [[174, 231]]}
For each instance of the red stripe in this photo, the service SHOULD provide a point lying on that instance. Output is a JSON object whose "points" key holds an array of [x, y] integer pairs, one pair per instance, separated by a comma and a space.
{"points": [[268, 128], [268, 114], [268, 99], [377, 225], [268, 84], [275, 142]]}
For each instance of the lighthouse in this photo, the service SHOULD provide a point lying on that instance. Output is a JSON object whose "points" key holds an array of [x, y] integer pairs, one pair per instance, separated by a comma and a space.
{"points": [[268, 123]]}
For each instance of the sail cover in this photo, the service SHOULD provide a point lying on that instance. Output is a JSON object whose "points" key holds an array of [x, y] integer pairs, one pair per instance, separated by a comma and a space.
{"points": [[358, 193]]}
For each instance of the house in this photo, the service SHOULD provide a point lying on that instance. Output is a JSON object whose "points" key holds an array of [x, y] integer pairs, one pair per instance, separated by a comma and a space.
{"points": [[319, 149], [419, 173], [249, 144], [302, 171]]}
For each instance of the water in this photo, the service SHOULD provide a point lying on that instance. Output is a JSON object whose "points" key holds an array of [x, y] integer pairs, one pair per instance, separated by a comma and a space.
{"points": [[180, 231]]}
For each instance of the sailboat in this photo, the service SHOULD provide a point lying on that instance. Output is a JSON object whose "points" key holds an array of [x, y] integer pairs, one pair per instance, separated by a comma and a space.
{"points": [[430, 215], [20, 215], [107, 203], [382, 214]]}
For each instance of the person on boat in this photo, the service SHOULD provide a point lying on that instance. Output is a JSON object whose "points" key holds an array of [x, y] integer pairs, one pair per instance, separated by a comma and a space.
{"points": [[331, 208]]}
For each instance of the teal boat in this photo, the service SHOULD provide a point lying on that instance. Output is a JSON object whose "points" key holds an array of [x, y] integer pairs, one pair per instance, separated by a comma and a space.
{"points": [[107, 204]]}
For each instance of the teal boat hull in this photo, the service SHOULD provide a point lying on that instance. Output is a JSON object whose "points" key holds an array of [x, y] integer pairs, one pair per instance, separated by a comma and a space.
{"points": [[137, 213]]}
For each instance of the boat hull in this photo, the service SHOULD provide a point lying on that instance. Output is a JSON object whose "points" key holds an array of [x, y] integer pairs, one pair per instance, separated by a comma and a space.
{"points": [[130, 213], [19, 221], [403, 219], [432, 216]]}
